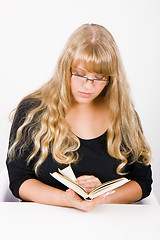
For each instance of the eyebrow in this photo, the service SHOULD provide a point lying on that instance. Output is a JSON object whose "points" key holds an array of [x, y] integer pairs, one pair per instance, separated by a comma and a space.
{"points": [[81, 69]]}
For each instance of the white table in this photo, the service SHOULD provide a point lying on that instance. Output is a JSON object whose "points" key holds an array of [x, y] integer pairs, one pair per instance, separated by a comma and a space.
{"points": [[29, 221]]}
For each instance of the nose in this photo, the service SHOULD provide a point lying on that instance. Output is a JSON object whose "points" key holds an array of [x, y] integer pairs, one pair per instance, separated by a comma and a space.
{"points": [[88, 84]]}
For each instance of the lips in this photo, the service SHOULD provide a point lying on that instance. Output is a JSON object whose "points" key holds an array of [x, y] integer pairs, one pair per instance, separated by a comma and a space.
{"points": [[84, 94]]}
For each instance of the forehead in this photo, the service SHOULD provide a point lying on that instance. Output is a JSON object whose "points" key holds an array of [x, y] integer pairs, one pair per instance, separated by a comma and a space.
{"points": [[88, 67], [81, 67]]}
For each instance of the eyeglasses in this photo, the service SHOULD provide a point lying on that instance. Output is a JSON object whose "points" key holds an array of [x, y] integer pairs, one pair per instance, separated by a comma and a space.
{"points": [[94, 81]]}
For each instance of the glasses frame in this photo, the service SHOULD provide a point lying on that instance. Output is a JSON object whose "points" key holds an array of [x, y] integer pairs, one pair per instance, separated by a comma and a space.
{"points": [[92, 80]]}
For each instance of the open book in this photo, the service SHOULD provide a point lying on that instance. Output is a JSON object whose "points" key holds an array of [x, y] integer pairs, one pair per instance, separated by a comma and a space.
{"points": [[101, 189]]}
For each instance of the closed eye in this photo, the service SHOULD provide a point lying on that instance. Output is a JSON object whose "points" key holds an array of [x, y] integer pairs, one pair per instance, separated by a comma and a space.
{"points": [[99, 77], [79, 74]]}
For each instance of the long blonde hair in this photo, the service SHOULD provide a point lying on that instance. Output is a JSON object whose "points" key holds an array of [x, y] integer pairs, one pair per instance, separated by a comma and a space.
{"points": [[94, 46]]}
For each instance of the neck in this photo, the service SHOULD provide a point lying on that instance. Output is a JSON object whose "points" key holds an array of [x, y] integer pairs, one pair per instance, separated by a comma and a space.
{"points": [[86, 109], [96, 104]]}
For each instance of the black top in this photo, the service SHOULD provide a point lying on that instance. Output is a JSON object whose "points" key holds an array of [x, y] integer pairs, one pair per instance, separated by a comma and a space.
{"points": [[93, 160]]}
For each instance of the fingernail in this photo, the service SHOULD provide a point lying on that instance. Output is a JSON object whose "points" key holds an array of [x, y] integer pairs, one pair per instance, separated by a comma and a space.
{"points": [[109, 193]]}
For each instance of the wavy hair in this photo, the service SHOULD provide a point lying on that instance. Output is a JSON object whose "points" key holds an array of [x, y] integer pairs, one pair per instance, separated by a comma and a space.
{"points": [[45, 125]]}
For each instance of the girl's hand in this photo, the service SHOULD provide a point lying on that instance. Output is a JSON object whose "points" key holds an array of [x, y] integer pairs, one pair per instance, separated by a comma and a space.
{"points": [[84, 205], [88, 182]]}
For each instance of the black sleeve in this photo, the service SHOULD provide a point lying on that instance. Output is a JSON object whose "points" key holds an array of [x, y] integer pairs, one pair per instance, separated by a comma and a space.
{"points": [[18, 169], [142, 174]]}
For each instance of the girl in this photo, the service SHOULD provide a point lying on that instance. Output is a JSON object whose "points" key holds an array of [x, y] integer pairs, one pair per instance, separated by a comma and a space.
{"points": [[83, 117]]}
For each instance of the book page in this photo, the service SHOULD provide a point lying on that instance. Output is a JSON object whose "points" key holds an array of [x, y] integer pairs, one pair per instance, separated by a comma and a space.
{"points": [[107, 188], [106, 184], [70, 184], [68, 172]]}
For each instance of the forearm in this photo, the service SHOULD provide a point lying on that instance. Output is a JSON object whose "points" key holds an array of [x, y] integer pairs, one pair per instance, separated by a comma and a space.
{"points": [[33, 190], [128, 193]]}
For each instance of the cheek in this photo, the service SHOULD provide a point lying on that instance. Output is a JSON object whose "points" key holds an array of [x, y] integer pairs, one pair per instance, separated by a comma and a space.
{"points": [[73, 86], [99, 90]]}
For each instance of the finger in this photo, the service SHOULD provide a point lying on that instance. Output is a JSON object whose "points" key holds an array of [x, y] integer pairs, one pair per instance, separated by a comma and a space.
{"points": [[101, 199], [70, 192], [91, 180], [88, 190], [72, 195], [88, 205], [108, 193], [84, 178], [88, 184]]}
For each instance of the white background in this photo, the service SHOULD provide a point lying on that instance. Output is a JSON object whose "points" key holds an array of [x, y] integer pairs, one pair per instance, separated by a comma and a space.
{"points": [[33, 33]]}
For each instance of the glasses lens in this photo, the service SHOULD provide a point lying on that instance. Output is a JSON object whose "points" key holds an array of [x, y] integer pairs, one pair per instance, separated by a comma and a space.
{"points": [[100, 82], [94, 81]]}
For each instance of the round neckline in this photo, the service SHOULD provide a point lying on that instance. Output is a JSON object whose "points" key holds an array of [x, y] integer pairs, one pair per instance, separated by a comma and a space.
{"points": [[92, 139]]}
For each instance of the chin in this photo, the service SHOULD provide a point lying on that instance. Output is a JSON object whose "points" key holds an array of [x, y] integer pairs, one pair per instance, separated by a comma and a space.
{"points": [[83, 100]]}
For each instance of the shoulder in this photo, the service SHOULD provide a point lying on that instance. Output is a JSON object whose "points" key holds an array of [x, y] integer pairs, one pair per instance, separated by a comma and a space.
{"points": [[24, 107], [28, 104]]}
